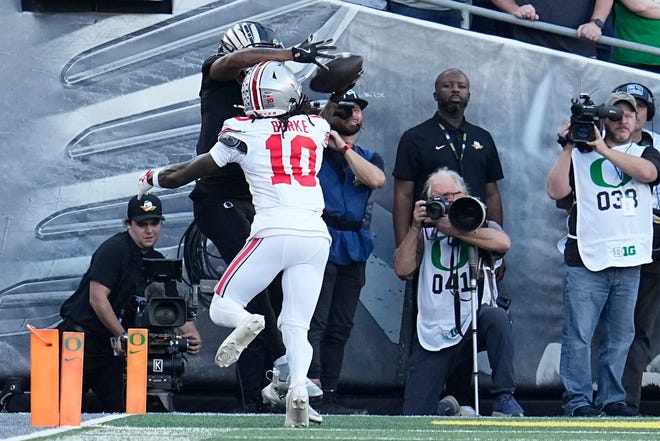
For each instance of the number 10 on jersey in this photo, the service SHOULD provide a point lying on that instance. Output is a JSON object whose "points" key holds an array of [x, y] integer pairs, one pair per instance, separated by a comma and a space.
{"points": [[299, 143]]}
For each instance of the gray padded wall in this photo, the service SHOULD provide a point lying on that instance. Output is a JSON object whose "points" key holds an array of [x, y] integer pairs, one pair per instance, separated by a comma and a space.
{"points": [[89, 101]]}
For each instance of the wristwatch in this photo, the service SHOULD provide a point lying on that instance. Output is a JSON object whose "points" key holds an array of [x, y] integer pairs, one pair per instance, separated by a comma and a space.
{"points": [[598, 22]]}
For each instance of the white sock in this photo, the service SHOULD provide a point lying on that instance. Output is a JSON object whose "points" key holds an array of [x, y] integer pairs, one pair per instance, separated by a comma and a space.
{"points": [[298, 352]]}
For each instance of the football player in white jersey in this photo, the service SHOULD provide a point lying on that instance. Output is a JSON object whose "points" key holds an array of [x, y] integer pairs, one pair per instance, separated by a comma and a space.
{"points": [[280, 150]]}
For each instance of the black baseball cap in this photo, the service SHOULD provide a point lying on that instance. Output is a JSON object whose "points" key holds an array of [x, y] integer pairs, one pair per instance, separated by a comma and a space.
{"points": [[637, 91], [149, 207], [351, 97]]}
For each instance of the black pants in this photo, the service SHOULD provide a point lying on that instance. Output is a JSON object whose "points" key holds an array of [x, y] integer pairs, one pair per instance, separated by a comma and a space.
{"points": [[103, 372], [332, 322], [646, 314], [226, 222], [428, 370]]}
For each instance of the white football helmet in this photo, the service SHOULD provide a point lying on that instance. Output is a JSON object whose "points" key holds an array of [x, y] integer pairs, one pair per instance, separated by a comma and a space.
{"points": [[270, 89]]}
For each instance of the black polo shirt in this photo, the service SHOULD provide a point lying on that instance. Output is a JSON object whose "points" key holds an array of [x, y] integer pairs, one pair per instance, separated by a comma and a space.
{"points": [[426, 147]]}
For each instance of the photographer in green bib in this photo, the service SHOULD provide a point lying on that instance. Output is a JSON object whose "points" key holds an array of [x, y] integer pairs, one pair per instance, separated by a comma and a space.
{"points": [[609, 237]]}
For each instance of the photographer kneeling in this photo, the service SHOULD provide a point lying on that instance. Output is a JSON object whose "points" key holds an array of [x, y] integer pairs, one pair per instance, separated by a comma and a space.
{"points": [[100, 307], [441, 252]]}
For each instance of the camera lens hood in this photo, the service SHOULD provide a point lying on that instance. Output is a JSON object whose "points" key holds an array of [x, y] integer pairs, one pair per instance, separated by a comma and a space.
{"points": [[467, 214]]}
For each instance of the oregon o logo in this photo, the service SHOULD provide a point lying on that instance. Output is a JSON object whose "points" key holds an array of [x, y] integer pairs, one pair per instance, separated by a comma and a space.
{"points": [[136, 339], [436, 255], [596, 172], [72, 343]]}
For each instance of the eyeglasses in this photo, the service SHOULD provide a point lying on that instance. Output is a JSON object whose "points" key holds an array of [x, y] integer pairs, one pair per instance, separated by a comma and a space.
{"points": [[450, 194]]}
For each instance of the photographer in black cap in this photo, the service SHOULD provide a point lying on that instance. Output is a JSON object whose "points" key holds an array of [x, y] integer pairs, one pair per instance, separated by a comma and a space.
{"points": [[100, 306], [348, 176]]}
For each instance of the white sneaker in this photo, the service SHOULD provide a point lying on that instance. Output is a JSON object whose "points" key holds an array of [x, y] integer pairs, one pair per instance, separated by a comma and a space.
{"points": [[313, 389], [297, 407], [271, 397], [467, 411], [230, 349]]}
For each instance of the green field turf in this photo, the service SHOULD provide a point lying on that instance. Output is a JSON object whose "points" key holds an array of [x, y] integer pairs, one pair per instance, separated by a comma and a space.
{"points": [[158, 427]]}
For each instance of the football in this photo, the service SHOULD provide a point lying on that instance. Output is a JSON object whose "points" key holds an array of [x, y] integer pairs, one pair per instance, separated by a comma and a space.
{"points": [[343, 71]]}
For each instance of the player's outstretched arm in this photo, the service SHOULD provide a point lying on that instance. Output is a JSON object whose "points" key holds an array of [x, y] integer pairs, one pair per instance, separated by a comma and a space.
{"points": [[230, 65], [176, 175]]}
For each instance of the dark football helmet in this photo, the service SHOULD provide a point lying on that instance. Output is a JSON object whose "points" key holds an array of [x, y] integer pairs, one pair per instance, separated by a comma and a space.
{"points": [[248, 34]]}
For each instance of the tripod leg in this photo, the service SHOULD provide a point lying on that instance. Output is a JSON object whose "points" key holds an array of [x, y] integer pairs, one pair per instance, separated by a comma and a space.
{"points": [[473, 264], [475, 365]]}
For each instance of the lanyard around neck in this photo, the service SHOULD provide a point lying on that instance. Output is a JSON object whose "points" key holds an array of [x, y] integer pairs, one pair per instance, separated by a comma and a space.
{"points": [[457, 154]]}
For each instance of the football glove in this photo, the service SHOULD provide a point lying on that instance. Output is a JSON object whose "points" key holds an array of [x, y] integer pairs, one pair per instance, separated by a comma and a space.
{"points": [[145, 183], [309, 51]]}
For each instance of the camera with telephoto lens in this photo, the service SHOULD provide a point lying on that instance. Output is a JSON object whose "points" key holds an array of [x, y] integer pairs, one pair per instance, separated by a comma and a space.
{"points": [[436, 207], [343, 110], [465, 214], [162, 309], [584, 115]]}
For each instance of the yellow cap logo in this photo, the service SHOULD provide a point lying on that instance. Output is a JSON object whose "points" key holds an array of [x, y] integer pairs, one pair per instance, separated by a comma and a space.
{"points": [[147, 207]]}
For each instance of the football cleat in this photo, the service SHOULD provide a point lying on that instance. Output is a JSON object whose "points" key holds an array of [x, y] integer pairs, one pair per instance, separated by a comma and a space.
{"points": [[297, 407], [230, 349]]}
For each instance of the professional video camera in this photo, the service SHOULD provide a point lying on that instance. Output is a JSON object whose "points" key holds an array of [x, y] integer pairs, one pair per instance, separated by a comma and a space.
{"points": [[162, 310], [465, 214], [583, 117]]}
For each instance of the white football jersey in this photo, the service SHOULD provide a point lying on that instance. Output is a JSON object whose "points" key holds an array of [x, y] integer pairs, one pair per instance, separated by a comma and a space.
{"points": [[614, 217], [281, 169], [436, 320]]}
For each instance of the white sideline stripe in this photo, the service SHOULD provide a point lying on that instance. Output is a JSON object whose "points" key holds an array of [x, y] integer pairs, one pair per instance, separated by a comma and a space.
{"points": [[56, 430]]}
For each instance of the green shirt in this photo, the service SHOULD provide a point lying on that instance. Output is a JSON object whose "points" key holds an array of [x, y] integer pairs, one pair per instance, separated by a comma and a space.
{"points": [[632, 27]]}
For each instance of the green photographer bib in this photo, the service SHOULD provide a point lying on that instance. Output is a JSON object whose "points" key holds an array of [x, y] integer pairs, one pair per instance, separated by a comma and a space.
{"points": [[614, 217]]}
